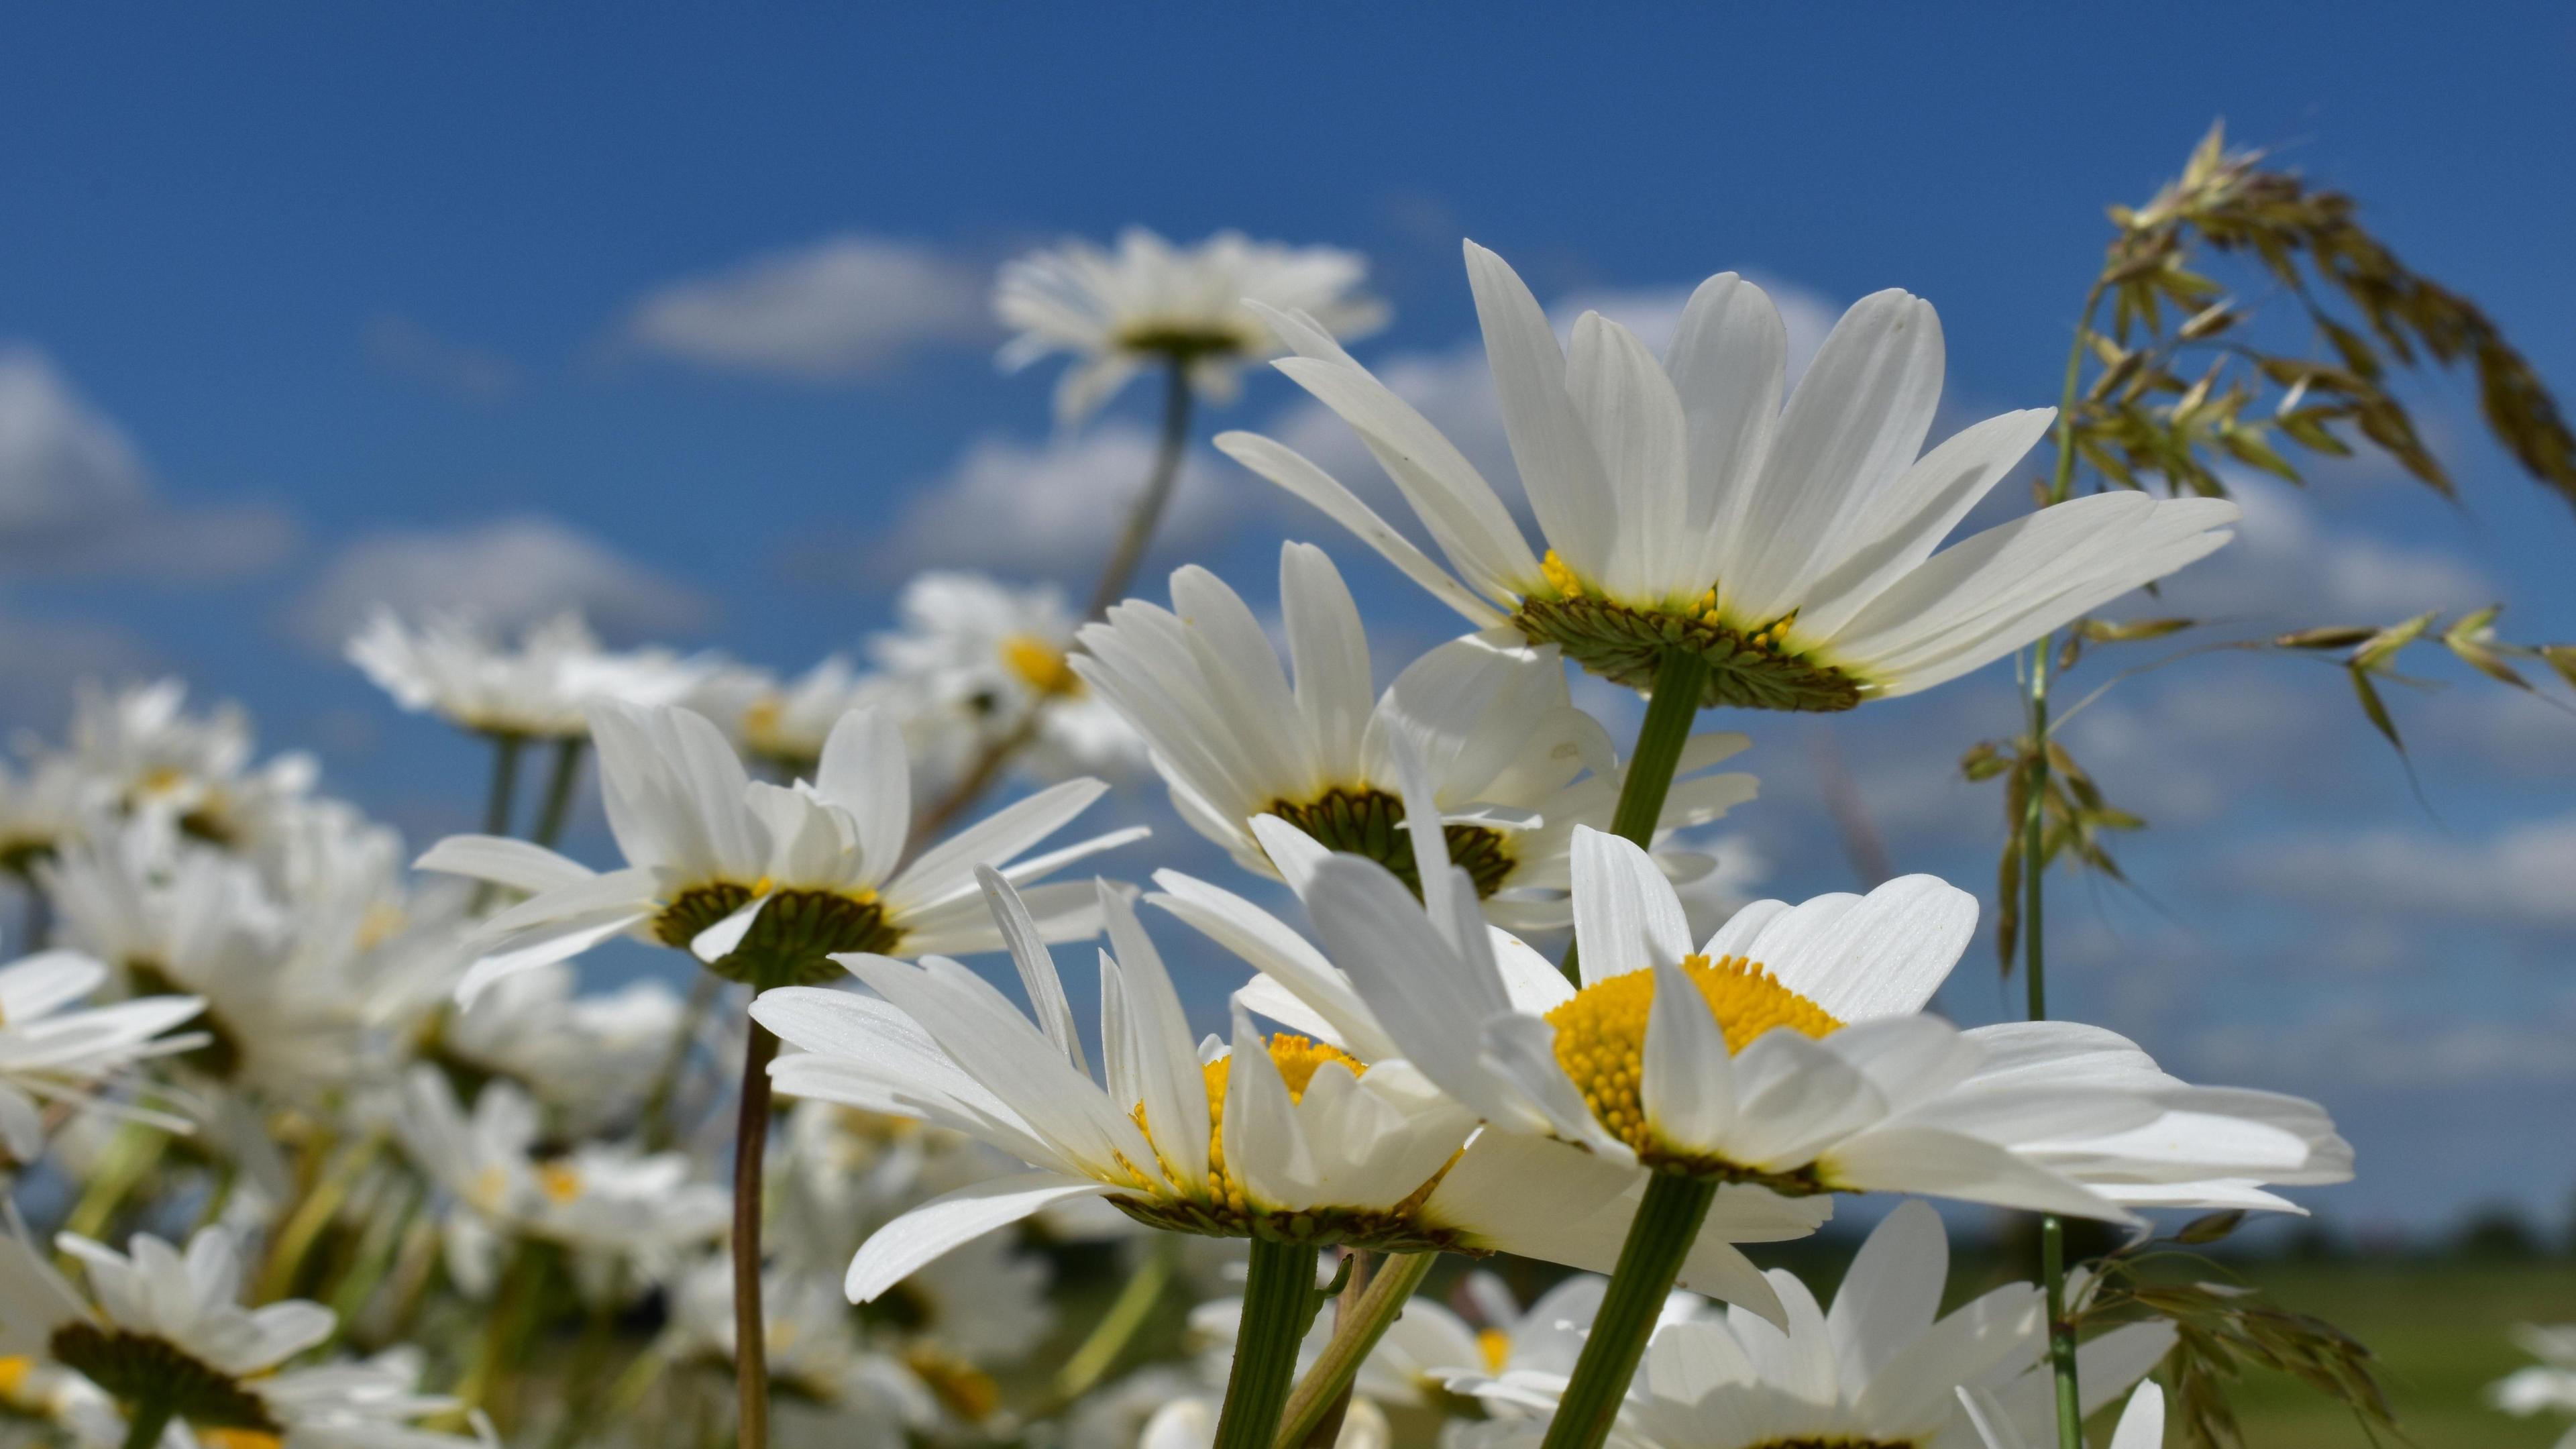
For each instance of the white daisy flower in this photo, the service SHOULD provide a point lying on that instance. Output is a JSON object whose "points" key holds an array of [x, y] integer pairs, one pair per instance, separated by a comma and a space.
{"points": [[2141, 1426], [51, 1051], [784, 722], [763, 882], [589, 1057], [822, 1378], [2547, 1387], [1879, 1371], [539, 689], [1502, 743], [168, 1338], [985, 654], [1280, 1137], [615, 1209], [1789, 1050], [1683, 507], [1149, 301], [37, 808], [149, 756]]}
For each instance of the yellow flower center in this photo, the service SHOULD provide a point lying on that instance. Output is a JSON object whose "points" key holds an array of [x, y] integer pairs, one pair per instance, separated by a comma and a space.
{"points": [[1601, 1033], [1495, 1347], [237, 1439], [1040, 665], [13, 1377], [1560, 576], [1298, 1060], [966, 1391], [562, 1183]]}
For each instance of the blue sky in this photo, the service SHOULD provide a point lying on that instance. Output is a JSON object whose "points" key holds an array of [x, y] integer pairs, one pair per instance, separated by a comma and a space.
{"points": [[300, 303]]}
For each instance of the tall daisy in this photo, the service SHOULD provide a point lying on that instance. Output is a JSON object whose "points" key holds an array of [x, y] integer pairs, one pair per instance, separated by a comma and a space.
{"points": [[1784, 554], [1280, 1139], [1190, 308], [52, 1050], [1512, 765]]}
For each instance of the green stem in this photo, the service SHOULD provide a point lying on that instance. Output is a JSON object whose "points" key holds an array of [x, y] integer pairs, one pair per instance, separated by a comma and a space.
{"points": [[1278, 1304], [1670, 712], [2061, 1334], [146, 1421], [1355, 1337], [313, 1215], [128, 1159], [659, 1130], [1659, 1239], [497, 802], [560, 780], [1127, 1316], [750, 1326]]}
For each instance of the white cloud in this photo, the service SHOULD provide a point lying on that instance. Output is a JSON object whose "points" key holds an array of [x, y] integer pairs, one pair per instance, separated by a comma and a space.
{"points": [[2289, 569], [2517, 877], [846, 306], [508, 573], [409, 350], [1051, 509], [2369, 1045], [77, 498]]}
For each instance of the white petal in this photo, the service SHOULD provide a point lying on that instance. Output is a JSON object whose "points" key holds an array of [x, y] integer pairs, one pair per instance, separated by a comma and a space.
{"points": [[517, 864], [1047, 1001], [1625, 912], [1727, 362], [902, 1247], [1687, 1079], [1891, 1293], [1568, 492], [1884, 956], [1634, 418], [1330, 651], [1291, 470], [864, 770]]}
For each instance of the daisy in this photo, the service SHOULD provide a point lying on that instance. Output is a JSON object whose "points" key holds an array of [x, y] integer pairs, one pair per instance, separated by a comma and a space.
{"points": [[1235, 737], [168, 1340], [147, 755], [1193, 308], [1790, 1050], [2548, 1386], [37, 808], [1878, 1371], [828, 1386], [1280, 1139], [2141, 1426], [989, 657], [784, 722], [538, 690], [51, 1052], [626, 1217], [592, 1058], [1687, 513], [763, 882]]}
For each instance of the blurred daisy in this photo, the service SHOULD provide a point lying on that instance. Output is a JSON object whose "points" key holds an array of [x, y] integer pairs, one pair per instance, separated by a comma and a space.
{"points": [[1684, 508], [149, 756], [37, 808], [1280, 1135], [827, 1388], [168, 1339], [1789, 1050], [538, 689], [2547, 1387], [51, 1051], [1880, 1371], [1501, 741], [626, 1217], [985, 655], [764, 882], [592, 1058], [784, 722], [1150, 302]]}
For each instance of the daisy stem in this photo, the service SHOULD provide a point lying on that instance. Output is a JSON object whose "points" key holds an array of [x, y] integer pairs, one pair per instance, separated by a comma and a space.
{"points": [[145, 1421], [1355, 1337], [750, 1328], [1278, 1304], [497, 802], [1659, 1238], [1670, 712], [1127, 1316], [659, 1130], [557, 806]]}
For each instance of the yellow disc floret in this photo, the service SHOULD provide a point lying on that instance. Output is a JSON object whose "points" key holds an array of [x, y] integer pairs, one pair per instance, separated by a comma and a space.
{"points": [[1601, 1033], [1040, 665], [1560, 576], [1298, 1059]]}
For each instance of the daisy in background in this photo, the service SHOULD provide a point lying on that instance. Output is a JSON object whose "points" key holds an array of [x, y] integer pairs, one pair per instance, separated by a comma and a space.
{"points": [[831, 1389], [38, 807], [589, 1058], [538, 689], [1684, 509], [2548, 1386], [988, 657], [627, 1217], [764, 882], [53, 1052], [1281, 1139], [1883, 1369], [1512, 765], [1789, 1050], [1191, 308], [782, 723], [164, 1336]]}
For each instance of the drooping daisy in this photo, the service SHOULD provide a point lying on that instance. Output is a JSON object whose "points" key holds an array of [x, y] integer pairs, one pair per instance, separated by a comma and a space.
{"points": [[1790, 1050], [50, 1051], [1501, 741], [2547, 1387], [539, 689], [627, 1217], [168, 1340], [1280, 1138], [1684, 508], [1882, 1370], [984, 655], [763, 882], [1190, 308]]}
